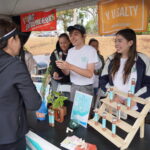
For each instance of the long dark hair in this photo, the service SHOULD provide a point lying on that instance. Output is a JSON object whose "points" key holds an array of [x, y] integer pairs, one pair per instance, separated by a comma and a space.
{"points": [[63, 35], [93, 40], [129, 35]]}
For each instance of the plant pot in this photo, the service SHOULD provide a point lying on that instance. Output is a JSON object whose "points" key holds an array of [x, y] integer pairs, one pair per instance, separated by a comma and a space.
{"points": [[65, 110], [60, 113]]}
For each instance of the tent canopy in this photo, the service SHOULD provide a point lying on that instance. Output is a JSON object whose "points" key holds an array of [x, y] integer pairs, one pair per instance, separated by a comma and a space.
{"points": [[17, 7]]}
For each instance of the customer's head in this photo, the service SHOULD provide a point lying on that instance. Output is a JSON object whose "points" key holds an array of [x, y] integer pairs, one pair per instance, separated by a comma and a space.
{"points": [[77, 34], [64, 42], [9, 40], [125, 42], [94, 43]]}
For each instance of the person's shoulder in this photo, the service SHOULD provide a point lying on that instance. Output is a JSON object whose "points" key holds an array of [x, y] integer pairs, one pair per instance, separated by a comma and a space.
{"points": [[110, 57], [89, 47], [100, 56], [53, 53], [71, 50], [16, 66], [18, 63], [143, 56], [27, 53]]}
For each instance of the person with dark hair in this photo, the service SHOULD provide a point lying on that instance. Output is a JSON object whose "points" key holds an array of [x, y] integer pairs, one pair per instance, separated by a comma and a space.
{"points": [[93, 42], [98, 66], [80, 62], [25, 55], [61, 51], [125, 65], [17, 92]]}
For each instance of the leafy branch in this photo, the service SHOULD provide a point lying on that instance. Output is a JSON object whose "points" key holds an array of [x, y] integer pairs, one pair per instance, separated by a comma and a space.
{"points": [[56, 99], [45, 81]]}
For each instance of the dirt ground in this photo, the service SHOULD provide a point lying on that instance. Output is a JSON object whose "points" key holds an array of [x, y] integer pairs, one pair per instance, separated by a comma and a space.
{"points": [[45, 45]]}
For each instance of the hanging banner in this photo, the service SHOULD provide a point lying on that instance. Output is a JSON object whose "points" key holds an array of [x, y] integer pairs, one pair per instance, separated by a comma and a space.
{"points": [[38, 21], [114, 15]]}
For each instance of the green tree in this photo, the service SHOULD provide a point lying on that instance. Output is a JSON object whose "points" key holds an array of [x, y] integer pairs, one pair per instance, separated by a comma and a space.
{"points": [[92, 24], [86, 16], [65, 17]]}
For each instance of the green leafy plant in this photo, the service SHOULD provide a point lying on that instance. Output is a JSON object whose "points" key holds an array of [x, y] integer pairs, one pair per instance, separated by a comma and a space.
{"points": [[56, 99]]}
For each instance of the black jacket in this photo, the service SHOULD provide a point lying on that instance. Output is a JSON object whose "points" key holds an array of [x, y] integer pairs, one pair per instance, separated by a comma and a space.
{"points": [[17, 93], [102, 61], [65, 78]]}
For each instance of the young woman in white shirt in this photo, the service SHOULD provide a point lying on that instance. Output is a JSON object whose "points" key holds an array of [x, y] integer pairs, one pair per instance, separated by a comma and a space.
{"points": [[124, 65]]}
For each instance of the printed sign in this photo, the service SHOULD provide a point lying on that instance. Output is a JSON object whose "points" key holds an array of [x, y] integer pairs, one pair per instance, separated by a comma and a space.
{"points": [[119, 14], [81, 108], [38, 21]]}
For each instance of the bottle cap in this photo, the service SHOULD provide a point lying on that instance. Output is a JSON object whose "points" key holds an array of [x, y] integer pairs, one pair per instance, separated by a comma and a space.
{"points": [[111, 88], [118, 105], [104, 114], [129, 93], [114, 119]]}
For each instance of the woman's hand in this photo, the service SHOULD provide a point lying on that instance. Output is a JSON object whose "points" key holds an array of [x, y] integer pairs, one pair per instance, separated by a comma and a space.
{"points": [[56, 76], [63, 65], [40, 115], [118, 99]]}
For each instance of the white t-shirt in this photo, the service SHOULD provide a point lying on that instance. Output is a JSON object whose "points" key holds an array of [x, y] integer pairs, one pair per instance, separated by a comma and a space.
{"points": [[118, 79], [81, 58]]}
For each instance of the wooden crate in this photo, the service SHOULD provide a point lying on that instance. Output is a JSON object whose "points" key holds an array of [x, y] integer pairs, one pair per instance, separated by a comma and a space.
{"points": [[131, 130]]}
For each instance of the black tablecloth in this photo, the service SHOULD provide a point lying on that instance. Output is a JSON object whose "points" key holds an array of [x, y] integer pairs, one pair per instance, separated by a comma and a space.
{"points": [[56, 135]]}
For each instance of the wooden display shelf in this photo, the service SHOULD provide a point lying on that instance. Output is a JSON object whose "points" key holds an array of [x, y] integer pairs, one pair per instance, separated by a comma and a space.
{"points": [[131, 130], [130, 112], [121, 124], [135, 98], [107, 133]]}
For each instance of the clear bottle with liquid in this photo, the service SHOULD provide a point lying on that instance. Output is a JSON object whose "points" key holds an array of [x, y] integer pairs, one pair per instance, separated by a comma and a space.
{"points": [[51, 118]]}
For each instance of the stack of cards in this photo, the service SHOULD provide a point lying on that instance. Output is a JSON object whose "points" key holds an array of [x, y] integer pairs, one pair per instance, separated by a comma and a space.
{"points": [[75, 143]]}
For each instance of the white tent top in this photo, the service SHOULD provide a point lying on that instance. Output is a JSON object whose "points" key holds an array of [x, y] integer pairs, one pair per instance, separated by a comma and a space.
{"points": [[17, 7]]}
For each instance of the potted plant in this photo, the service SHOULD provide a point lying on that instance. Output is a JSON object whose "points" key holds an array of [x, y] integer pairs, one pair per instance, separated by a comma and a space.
{"points": [[56, 99]]}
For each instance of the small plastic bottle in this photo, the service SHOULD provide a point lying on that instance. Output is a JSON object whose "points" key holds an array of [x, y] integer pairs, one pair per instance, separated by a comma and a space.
{"points": [[129, 100], [60, 55], [96, 117], [111, 94], [118, 111], [114, 121], [56, 55], [104, 121], [132, 89], [51, 117]]}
